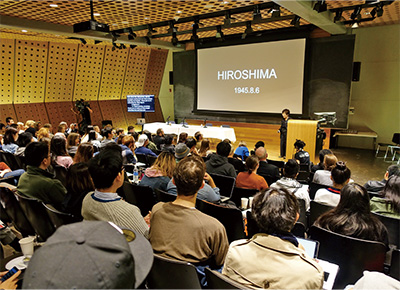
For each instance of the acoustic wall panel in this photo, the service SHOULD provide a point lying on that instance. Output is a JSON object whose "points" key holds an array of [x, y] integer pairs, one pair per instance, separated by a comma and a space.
{"points": [[155, 71], [30, 71], [112, 110], [130, 117], [61, 111], [157, 116], [136, 68], [7, 71], [7, 110], [88, 72], [113, 73], [61, 65], [32, 111]]}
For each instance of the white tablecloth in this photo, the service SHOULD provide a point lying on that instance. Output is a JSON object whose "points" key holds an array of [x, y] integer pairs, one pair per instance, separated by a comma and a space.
{"points": [[209, 132]]}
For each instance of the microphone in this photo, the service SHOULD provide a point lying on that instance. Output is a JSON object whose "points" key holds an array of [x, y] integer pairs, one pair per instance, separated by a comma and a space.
{"points": [[205, 123], [183, 122], [168, 120]]}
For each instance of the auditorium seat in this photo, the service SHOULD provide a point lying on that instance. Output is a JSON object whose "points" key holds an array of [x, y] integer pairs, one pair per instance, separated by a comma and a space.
{"points": [[216, 280], [163, 196], [312, 190], [238, 193], [139, 195], [393, 227], [224, 183], [57, 217], [395, 264], [317, 209]]}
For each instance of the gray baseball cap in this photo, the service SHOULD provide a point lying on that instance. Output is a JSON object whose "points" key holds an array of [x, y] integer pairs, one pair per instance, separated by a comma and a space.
{"points": [[181, 151], [90, 255]]}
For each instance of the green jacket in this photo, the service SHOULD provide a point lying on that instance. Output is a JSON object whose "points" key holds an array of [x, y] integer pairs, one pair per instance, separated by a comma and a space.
{"points": [[378, 205], [40, 184]]}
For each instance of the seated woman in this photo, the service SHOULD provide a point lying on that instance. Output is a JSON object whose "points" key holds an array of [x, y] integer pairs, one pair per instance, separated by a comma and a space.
{"points": [[199, 138], [352, 216], [128, 147], [23, 140], [250, 179], [273, 259], [72, 143], [84, 153], [302, 156], [59, 155], [388, 203], [242, 151], [10, 140], [191, 144], [182, 137], [324, 176], [204, 149], [160, 173], [331, 195], [93, 140]]}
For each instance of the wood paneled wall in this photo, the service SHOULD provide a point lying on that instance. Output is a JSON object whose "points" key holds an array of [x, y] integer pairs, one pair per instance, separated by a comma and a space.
{"points": [[41, 80]]}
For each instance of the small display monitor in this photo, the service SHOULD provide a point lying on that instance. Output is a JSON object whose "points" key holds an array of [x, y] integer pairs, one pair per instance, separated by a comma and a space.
{"points": [[140, 103]]}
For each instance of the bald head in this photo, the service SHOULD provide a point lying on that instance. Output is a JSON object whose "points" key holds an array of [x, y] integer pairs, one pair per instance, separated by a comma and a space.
{"points": [[261, 153]]}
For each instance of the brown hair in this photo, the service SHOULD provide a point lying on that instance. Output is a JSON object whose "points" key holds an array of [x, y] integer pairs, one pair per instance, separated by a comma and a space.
{"points": [[71, 140], [330, 161], [189, 175], [251, 163], [78, 179], [84, 153], [128, 140], [165, 163], [182, 137], [204, 147]]}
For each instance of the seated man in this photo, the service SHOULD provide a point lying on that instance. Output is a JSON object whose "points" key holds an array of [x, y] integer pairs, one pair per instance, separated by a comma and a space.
{"points": [[218, 163], [265, 168], [376, 186], [289, 182], [38, 183], [178, 230], [274, 258], [104, 203], [141, 146]]}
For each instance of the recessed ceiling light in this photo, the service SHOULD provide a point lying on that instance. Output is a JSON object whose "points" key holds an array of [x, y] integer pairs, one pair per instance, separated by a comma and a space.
{"points": [[23, 30], [179, 11], [146, 18], [53, 5], [226, 2], [124, 22], [96, 14], [209, 6]]}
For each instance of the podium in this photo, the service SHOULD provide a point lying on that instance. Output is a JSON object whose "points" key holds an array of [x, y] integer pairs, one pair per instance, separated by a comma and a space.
{"points": [[305, 130]]}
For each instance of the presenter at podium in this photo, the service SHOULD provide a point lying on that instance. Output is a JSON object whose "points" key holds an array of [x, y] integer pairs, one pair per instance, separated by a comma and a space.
{"points": [[283, 131]]}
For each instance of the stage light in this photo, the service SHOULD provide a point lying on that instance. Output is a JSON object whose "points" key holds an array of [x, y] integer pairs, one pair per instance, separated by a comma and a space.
{"points": [[174, 39], [248, 30], [151, 31], [356, 13], [338, 15], [355, 25], [320, 6], [275, 11], [257, 14], [147, 39], [295, 21], [131, 35], [172, 28], [219, 34]]}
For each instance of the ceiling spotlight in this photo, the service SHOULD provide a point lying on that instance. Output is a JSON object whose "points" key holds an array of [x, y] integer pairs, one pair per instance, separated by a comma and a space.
{"points": [[275, 11], [147, 39], [228, 19], [219, 35], [338, 15], [356, 13], [172, 28], [248, 30], [379, 10], [257, 14], [151, 31], [295, 21], [355, 25], [132, 46], [131, 35], [174, 39], [320, 6]]}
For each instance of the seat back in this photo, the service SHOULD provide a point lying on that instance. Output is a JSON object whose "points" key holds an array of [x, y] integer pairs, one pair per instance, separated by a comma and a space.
{"points": [[163, 196], [352, 255], [142, 159], [224, 183], [280, 164], [303, 177], [269, 179], [305, 167], [151, 159], [313, 189], [317, 209], [172, 274], [238, 193], [393, 227], [58, 218], [230, 217], [216, 280], [302, 214], [139, 195], [37, 216], [395, 264], [15, 213], [61, 173], [13, 161]]}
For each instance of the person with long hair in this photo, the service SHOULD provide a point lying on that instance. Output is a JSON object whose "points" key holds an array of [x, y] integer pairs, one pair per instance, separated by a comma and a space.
{"points": [[72, 143], [128, 147], [84, 153], [340, 177], [388, 202], [352, 216], [43, 132], [59, 155], [79, 183], [273, 258], [324, 176], [250, 178], [23, 140], [10, 140], [205, 148], [160, 173], [182, 137], [191, 144]]}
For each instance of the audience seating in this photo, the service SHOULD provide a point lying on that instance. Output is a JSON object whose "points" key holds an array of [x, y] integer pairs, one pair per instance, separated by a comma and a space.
{"points": [[299, 230], [280, 164], [60, 173], [172, 274], [224, 183], [393, 227], [230, 217], [151, 160], [305, 167], [58, 218], [37, 216], [395, 265], [302, 212], [142, 159], [317, 209], [238, 193], [216, 280], [269, 179], [312, 190], [13, 161], [352, 255], [303, 177], [163, 196], [139, 195]]}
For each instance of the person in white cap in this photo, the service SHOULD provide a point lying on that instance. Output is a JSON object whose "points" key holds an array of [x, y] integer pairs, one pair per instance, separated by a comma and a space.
{"points": [[141, 146]]}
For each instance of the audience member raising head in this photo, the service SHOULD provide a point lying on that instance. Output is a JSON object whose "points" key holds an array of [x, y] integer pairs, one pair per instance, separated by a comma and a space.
{"points": [[141, 144], [191, 144], [30, 127], [256, 146], [218, 163], [324, 176], [250, 179], [275, 211], [160, 173], [10, 140], [168, 146], [266, 169], [159, 138], [84, 153], [59, 152], [352, 216], [43, 132], [198, 137], [389, 201]]}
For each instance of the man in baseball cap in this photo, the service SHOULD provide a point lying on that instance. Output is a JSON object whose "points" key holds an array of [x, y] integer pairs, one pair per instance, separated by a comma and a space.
{"points": [[90, 255]]}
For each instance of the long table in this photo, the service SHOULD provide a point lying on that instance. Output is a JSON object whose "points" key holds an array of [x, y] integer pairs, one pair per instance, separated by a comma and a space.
{"points": [[209, 132]]}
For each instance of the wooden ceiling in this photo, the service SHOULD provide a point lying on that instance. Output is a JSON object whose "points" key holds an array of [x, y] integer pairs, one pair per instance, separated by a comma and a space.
{"points": [[119, 14]]}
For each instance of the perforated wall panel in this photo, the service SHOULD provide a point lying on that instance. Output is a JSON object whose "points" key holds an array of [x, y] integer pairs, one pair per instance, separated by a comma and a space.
{"points": [[131, 118], [30, 71], [113, 73], [155, 71], [61, 72], [112, 110], [7, 71], [157, 116], [60, 111], [7, 110], [88, 72], [33, 111], [136, 71]]}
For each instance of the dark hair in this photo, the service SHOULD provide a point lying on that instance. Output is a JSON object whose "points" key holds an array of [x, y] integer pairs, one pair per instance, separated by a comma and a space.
{"points": [[92, 135], [135, 135], [78, 179], [197, 136], [286, 111], [58, 147], [8, 119], [130, 127], [105, 132], [275, 210], [340, 174], [24, 139], [352, 216], [9, 136], [259, 144], [148, 134], [322, 154], [84, 152], [119, 131], [182, 137], [251, 163], [299, 144], [71, 140], [2, 126], [291, 168], [190, 142], [189, 175], [223, 149], [35, 152], [393, 170], [391, 193], [168, 139], [104, 168], [120, 137], [159, 131]]}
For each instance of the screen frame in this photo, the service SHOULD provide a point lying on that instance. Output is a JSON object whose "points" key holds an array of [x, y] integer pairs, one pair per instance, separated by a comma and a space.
{"points": [[146, 111]]}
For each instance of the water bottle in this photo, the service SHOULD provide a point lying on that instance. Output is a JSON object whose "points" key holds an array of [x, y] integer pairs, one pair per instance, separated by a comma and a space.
{"points": [[135, 175]]}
